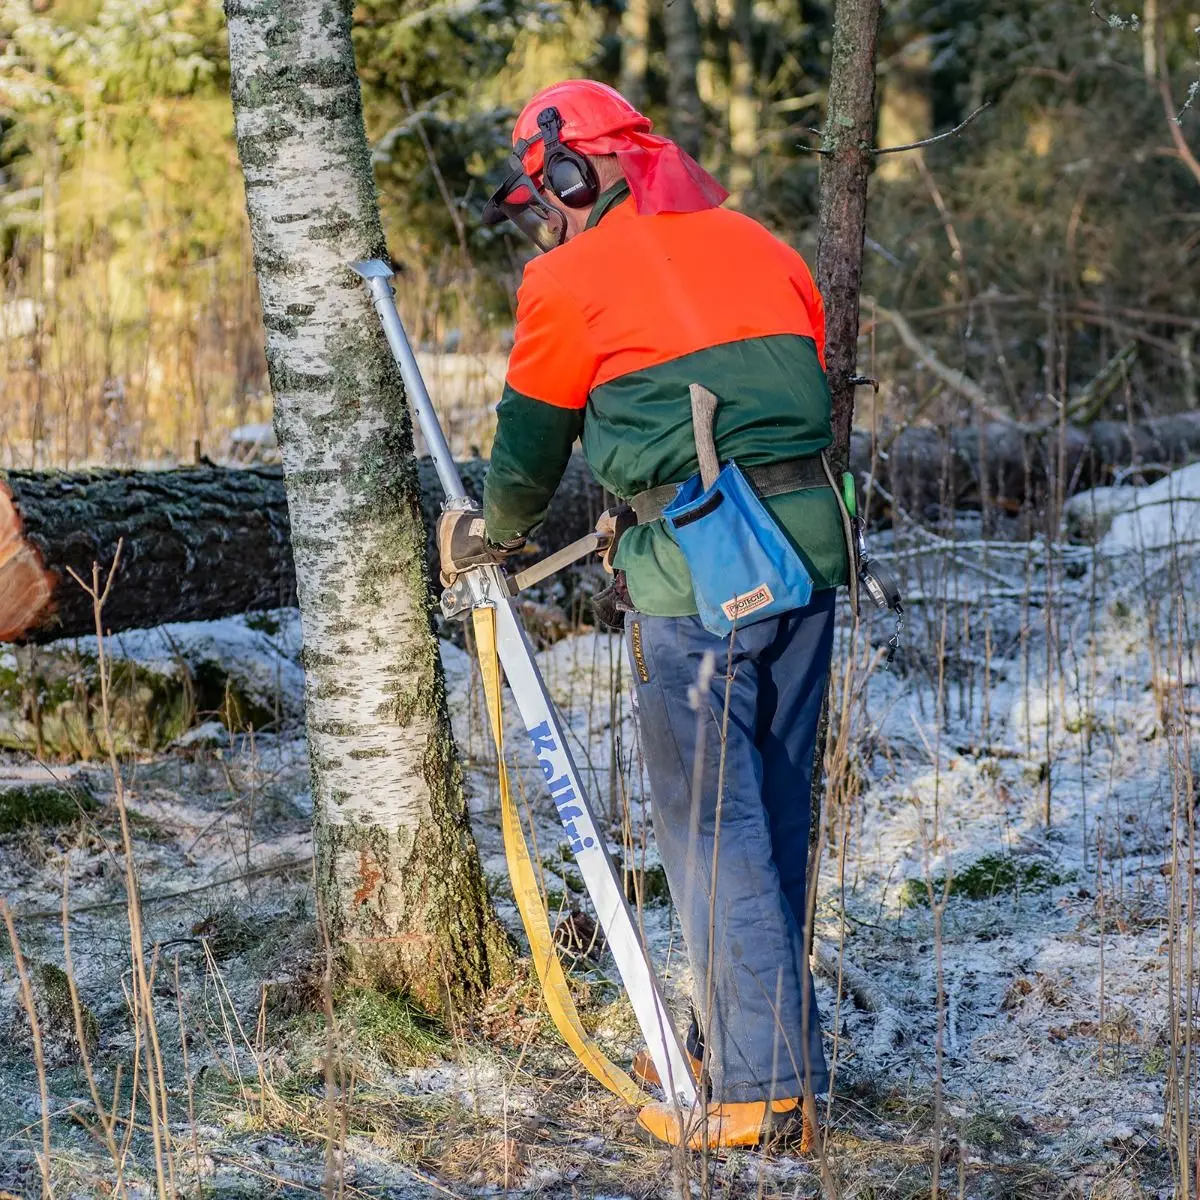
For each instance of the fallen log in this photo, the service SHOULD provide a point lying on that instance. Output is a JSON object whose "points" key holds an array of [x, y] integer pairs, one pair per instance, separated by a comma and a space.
{"points": [[1009, 467], [198, 543], [207, 542]]}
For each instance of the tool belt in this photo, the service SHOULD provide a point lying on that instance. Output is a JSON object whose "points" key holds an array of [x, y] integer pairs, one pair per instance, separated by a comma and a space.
{"points": [[774, 479]]}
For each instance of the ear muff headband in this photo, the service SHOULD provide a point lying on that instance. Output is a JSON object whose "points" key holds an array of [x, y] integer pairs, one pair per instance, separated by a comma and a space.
{"points": [[568, 174]]}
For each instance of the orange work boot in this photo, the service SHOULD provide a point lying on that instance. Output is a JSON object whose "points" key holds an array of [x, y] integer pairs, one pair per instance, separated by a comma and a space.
{"points": [[646, 1073], [723, 1126]]}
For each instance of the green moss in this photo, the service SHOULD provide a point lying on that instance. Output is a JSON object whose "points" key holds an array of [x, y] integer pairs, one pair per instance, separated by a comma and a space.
{"points": [[57, 710], [27, 804], [986, 878], [573, 880], [53, 991], [995, 1132], [264, 622], [649, 886]]}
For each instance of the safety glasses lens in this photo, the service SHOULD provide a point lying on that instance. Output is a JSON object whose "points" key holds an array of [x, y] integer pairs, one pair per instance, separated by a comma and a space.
{"points": [[544, 226], [517, 200]]}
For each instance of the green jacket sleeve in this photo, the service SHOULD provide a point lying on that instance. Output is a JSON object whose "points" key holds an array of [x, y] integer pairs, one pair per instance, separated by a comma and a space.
{"points": [[529, 455], [549, 378]]}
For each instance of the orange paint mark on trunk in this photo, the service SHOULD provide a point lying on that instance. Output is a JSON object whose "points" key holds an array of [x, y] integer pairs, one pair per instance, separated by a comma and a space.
{"points": [[26, 587], [371, 875]]}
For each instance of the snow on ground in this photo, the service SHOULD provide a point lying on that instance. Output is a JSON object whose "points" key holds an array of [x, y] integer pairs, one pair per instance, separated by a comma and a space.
{"points": [[1165, 514], [1028, 761], [260, 651]]}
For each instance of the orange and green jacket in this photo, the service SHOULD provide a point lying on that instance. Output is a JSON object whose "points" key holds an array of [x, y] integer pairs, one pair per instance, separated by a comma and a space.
{"points": [[613, 327]]}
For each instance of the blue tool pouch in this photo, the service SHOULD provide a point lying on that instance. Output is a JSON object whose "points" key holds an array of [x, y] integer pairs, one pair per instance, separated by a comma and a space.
{"points": [[743, 567]]}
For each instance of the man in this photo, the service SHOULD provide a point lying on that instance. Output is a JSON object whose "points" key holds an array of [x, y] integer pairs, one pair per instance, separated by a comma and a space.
{"points": [[646, 287]]}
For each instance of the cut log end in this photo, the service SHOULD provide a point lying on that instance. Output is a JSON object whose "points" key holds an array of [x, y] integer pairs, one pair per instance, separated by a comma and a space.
{"points": [[26, 586]]}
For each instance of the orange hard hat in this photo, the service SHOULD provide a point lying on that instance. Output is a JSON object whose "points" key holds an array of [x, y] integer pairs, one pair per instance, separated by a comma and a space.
{"points": [[589, 110], [596, 120]]}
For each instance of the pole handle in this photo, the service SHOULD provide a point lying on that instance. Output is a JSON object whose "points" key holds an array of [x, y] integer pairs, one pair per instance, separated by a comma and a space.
{"points": [[378, 275]]}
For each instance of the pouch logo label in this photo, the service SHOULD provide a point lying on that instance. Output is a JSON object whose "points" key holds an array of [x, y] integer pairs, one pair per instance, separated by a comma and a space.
{"points": [[561, 790], [747, 602], [639, 655]]}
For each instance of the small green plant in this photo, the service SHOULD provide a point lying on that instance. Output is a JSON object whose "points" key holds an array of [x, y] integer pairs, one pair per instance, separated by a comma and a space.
{"points": [[986, 878]]}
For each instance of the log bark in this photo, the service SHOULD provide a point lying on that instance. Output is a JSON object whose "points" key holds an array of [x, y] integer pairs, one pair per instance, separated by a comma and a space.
{"points": [[928, 471], [183, 534], [207, 542], [198, 543], [399, 881]]}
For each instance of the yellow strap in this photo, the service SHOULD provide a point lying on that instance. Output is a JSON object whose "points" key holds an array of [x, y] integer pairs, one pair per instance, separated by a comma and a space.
{"points": [[529, 899]]}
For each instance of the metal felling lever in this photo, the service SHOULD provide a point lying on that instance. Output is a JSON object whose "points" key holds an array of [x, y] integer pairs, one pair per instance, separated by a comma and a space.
{"points": [[487, 587]]}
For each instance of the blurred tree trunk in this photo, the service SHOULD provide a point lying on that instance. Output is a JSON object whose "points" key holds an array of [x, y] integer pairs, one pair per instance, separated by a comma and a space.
{"points": [[1150, 40], [737, 21], [905, 107], [635, 51], [682, 31], [399, 878], [841, 228]]}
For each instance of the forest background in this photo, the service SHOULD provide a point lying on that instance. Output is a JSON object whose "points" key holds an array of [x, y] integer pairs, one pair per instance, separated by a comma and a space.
{"points": [[1051, 245]]}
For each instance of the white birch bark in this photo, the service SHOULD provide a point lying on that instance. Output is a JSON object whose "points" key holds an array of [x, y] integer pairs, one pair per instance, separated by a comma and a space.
{"points": [[398, 870]]}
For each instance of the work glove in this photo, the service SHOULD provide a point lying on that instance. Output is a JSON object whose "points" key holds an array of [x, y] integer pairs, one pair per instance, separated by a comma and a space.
{"points": [[462, 542], [610, 606], [613, 523]]}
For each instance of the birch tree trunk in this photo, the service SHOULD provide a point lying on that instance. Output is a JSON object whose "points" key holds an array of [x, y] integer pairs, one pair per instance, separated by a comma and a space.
{"points": [[398, 871], [681, 29], [842, 220]]}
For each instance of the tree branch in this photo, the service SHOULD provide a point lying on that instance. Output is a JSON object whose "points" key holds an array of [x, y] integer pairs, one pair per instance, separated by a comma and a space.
{"points": [[956, 381], [937, 137], [880, 150], [1174, 124]]}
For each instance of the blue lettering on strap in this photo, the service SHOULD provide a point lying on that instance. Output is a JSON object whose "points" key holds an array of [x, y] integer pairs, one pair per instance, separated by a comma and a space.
{"points": [[561, 789]]}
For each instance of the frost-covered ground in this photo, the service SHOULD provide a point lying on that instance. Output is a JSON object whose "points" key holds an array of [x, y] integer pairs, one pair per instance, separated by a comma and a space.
{"points": [[1026, 765]]}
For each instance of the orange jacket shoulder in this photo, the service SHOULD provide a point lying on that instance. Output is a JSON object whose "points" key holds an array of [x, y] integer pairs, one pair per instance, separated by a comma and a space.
{"points": [[551, 359], [654, 288]]}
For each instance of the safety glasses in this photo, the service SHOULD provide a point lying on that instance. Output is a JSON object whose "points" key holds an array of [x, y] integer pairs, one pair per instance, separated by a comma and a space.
{"points": [[518, 200]]}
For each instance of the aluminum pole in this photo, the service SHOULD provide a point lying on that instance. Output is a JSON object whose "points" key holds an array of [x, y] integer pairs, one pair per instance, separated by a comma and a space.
{"points": [[378, 275], [486, 585]]}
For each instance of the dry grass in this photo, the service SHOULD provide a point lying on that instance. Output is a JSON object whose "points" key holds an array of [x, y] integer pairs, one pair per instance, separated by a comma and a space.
{"points": [[236, 1062]]}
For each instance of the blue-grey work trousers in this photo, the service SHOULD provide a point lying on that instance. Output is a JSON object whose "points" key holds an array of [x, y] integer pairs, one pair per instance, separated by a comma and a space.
{"points": [[731, 820]]}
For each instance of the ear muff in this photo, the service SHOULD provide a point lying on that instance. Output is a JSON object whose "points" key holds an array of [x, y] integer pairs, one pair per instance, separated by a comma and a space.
{"points": [[568, 174]]}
